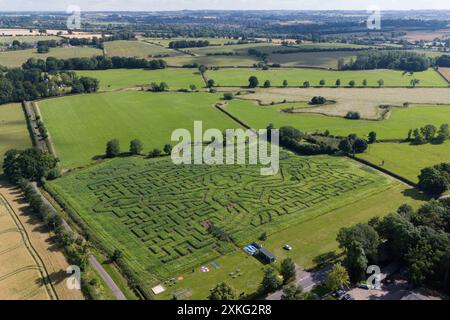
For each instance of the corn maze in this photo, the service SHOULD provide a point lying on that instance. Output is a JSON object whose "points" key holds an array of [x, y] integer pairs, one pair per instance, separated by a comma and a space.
{"points": [[184, 215]]}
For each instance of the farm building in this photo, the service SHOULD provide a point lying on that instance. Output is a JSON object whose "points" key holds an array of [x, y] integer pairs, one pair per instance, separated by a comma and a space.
{"points": [[266, 255]]}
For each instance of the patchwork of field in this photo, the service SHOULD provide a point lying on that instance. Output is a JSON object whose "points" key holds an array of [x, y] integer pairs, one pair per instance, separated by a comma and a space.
{"points": [[17, 58], [396, 126], [124, 48], [81, 125], [158, 213], [22, 275], [405, 159], [13, 129], [296, 77], [366, 101], [127, 78]]}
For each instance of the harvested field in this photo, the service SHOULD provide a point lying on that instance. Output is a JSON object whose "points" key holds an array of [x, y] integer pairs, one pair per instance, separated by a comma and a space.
{"points": [[22, 274], [366, 101], [42, 241], [445, 72]]}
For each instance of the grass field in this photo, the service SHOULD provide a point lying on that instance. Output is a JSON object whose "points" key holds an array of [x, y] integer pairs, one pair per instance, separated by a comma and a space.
{"points": [[296, 77], [313, 59], [396, 127], [126, 78], [81, 125], [139, 49], [160, 226], [21, 273], [221, 61], [368, 102], [17, 58], [407, 160], [13, 129]]}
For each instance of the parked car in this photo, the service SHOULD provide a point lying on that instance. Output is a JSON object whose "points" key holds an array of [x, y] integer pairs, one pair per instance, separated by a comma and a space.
{"points": [[287, 247], [339, 293], [363, 286], [347, 297]]}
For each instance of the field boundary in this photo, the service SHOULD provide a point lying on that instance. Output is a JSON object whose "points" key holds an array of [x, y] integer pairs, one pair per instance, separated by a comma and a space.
{"points": [[27, 242]]}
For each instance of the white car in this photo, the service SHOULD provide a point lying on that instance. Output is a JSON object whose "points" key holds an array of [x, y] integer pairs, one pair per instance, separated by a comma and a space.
{"points": [[287, 247]]}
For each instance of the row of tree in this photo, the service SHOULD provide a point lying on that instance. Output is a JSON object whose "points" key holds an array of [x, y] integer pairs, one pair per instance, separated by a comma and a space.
{"points": [[17, 85], [400, 60], [52, 64], [179, 44], [429, 134], [418, 240], [136, 148]]}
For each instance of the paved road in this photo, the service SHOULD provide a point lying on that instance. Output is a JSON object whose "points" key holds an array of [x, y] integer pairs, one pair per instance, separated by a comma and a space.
{"points": [[92, 259], [306, 279]]}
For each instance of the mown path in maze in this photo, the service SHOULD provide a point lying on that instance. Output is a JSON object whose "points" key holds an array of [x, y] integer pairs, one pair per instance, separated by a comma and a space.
{"points": [[167, 208]]}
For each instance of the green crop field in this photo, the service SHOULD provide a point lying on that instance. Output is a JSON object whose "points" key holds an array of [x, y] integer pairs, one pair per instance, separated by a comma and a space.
{"points": [[221, 61], [296, 77], [395, 127], [405, 159], [139, 49], [126, 78], [17, 58], [157, 213], [315, 59], [13, 129], [80, 125]]}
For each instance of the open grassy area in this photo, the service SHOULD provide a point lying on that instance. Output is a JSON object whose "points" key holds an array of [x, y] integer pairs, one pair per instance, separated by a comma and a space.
{"points": [[161, 227], [124, 48], [396, 126], [17, 58], [13, 129], [81, 125], [405, 159], [221, 61], [296, 77], [322, 59], [126, 78]]}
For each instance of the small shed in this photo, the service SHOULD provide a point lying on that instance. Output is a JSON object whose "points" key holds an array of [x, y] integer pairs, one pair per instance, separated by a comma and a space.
{"points": [[266, 255]]}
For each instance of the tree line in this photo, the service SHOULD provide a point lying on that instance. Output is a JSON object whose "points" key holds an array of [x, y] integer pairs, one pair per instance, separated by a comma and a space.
{"points": [[17, 85], [180, 44], [419, 240], [52, 64], [399, 60]]}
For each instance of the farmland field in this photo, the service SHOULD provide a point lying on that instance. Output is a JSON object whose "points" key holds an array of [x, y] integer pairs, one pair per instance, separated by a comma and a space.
{"points": [[368, 102], [313, 59], [157, 212], [445, 72], [13, 129], [405, 159], [22, 273], [221, 61], [126, 78], [212, 41], [396, 126], [296, 77], [138, 49], [28, 38], [17, 58], [81, 125]]}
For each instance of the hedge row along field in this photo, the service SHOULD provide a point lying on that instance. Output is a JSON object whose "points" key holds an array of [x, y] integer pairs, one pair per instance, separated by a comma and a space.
{"points": [[296, 77], [159, 214], [396, 126], [126, 78], [80, 125]]}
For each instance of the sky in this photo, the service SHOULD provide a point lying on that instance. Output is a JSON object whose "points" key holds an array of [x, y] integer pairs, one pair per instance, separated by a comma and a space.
{"points": [[159, 5]]}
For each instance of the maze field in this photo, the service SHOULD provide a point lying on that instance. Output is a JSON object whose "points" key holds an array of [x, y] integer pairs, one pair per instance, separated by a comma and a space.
{"points": [[169, 218]]}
